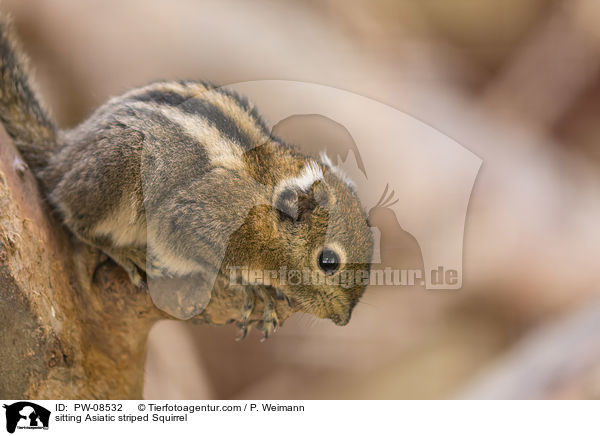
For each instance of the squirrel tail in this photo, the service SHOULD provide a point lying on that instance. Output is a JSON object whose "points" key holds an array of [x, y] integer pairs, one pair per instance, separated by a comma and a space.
{"points": [[26, 121]]}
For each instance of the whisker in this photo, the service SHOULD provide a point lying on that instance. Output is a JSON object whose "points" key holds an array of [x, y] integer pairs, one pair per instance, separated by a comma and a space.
{"points": [[382, 195], [392, 203], [389, 197]]}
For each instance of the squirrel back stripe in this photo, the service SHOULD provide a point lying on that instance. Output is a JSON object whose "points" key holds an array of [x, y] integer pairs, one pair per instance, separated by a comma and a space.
{"points": [[25, 120], [228, 112], [241, 101]]}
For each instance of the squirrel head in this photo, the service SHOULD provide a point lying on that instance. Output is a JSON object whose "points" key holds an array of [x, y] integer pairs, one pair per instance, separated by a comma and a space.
{"points": [[312, 243]]}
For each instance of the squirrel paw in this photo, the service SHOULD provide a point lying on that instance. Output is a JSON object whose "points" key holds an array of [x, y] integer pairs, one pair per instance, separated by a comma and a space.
{"points": [[270, 321]]}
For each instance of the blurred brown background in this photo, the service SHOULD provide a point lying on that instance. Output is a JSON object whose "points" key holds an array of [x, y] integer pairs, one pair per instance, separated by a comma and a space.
{"points": [[514, 81]]}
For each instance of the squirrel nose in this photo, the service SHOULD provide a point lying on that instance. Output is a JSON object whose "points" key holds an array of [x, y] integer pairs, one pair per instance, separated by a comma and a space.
{"points": [[340, 319]]}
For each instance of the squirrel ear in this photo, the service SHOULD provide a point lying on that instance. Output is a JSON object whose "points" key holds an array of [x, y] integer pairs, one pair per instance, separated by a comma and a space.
{"points": [[286, 204], [306, 204], [294, 204]]}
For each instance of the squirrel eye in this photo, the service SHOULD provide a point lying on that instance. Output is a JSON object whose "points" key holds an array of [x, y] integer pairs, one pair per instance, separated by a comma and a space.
{"points": [[329, 261]]}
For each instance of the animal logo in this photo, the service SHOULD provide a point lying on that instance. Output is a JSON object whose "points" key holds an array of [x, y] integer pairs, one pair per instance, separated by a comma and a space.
{"points": [[26, 415], [430, 173]]}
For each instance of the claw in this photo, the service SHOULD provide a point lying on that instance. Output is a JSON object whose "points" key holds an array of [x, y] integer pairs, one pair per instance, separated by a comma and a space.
{"points": [[248, 306], [270, 322], [281, 296], [287, 300], [269, 327], [244, 328]]}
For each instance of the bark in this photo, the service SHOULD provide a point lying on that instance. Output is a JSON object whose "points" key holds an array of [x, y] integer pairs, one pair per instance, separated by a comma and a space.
{"points": [[72, 326]]}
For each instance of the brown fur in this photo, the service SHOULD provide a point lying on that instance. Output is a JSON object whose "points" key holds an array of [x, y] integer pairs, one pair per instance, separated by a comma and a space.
{"points": [[178, 182]]}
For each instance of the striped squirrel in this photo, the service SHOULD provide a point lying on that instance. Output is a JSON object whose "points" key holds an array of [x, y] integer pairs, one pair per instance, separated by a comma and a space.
{"points": [[181, 183]]}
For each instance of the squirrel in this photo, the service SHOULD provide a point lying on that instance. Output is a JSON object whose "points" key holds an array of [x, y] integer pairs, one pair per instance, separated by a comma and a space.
{"points": [[181, 183]]}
